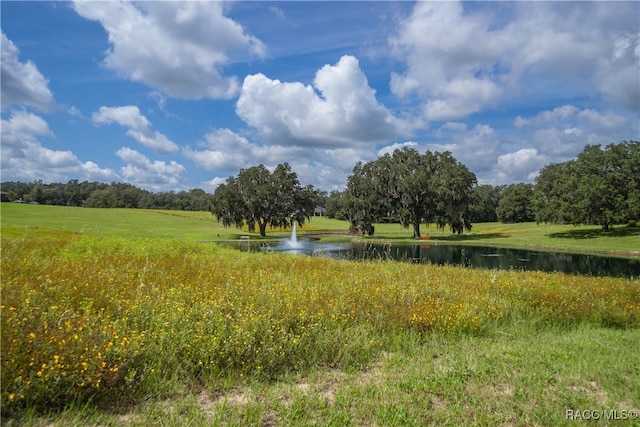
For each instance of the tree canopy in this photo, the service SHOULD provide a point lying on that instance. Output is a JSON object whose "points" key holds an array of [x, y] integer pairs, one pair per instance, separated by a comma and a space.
{"points": [[413, 188], [515, 204], [601, 186], [102, 195], [257, 196]]}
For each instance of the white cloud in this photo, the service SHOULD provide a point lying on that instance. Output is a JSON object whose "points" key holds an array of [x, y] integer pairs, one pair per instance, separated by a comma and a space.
{"points": [[139, 127], [211, 185], [224, 150], [277, 12], [561, 133], [178, 48], [558, 114], [618, 75], [24, 158], [445, 65], [389, 149], [343, 160], [152, 175], [477, 148], [128, 116], [519, 166], [23, 126], [74, 112], [462, 58], [21, 82], [344, 110]]}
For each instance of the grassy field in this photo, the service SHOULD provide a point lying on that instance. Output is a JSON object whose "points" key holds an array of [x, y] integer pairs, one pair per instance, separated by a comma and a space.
{"points": [[19, 219], [108, 320]]}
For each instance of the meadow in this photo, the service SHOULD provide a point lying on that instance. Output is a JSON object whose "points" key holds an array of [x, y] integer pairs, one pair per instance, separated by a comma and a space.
{"points": [[109, 327]]}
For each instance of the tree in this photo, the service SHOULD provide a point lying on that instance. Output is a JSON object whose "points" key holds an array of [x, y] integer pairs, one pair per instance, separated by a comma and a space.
{"points": [[429, 188], [598, 187], [336, 205], [227, 204], [454, 193], [114, 195], [486, 202], [364, 205], [516, 204], [409, 186], [602, 187], [257, 196], [552, 193]]}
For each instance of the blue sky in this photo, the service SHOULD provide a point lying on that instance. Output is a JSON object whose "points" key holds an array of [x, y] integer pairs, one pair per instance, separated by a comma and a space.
{"points": [[170, 96]]}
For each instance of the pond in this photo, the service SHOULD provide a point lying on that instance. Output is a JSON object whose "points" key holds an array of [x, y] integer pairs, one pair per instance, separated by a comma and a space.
{"points": [[469, 256]]}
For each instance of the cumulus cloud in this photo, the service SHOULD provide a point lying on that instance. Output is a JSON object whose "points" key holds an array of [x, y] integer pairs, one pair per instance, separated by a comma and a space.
{"points": [[224, 152], [443, 67], [462, 59], [178, 48], [519, 166], [562, 132], [477, 148], [211, 185], [24, 158], [21, 82], [139, 127], [153, 175], [618, 74], [340, 109], [389, 149], [23, 126]]}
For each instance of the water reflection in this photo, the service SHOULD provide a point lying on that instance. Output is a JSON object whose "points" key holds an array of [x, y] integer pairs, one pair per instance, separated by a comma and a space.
{"points": [[468, 256]]}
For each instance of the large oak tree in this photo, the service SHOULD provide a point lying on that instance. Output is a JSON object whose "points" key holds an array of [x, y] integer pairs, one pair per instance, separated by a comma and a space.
{"points": [[259, 197], [601, 186], [412, 188]]}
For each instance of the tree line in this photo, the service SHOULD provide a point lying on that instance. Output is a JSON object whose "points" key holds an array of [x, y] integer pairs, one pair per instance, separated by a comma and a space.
{"points": [[102, 195], [601, 187]]}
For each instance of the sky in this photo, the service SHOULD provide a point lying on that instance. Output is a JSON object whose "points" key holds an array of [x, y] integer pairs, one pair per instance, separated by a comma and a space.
{"points": [[170, 96]]}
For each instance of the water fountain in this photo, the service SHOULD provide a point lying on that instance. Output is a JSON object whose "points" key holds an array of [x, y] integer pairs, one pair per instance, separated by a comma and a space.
{"points": [[293, 240]]}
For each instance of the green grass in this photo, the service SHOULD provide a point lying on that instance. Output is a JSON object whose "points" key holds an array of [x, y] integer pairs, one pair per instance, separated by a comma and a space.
{"points": [[19, 220]]}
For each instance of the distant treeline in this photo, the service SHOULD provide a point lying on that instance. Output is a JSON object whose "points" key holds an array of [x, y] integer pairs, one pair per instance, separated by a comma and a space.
{"points": [[601, 186], [102, 195]]}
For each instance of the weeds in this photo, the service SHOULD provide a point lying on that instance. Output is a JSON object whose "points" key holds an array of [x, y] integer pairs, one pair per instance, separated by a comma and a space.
{"points": [[86, 319]]}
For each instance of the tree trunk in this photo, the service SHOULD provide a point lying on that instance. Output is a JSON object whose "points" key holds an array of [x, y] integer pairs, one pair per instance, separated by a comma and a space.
{"points": [[416, 230], [263, 229], [605, 227]]}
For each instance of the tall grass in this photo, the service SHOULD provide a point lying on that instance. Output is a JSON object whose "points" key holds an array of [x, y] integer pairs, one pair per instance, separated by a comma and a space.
{"points": [[113, 319]]}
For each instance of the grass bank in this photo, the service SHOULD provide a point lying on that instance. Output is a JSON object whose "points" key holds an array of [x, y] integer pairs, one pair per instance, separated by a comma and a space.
{"points": [[163, 331]]}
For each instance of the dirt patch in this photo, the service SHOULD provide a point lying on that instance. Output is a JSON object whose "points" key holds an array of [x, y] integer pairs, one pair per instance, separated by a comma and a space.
{"points": [[502, 390], [592, 389], [438, 403], [303, 387], [207, 405]]}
